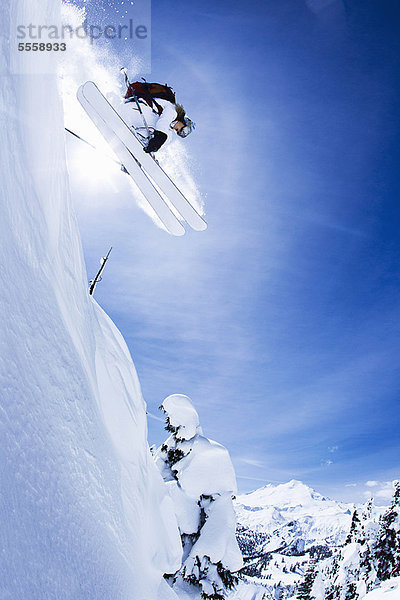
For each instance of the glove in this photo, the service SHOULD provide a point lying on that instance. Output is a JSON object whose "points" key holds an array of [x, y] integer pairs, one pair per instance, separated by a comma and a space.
{"points": [[156, 141]]}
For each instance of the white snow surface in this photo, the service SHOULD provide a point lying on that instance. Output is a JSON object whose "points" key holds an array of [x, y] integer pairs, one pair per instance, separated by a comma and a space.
{"points": [[187, 512], [206, 470], [217, 539], [293, 510], [388, 590], [84, 510], [182, 415], [248, 591], [206, 467]]}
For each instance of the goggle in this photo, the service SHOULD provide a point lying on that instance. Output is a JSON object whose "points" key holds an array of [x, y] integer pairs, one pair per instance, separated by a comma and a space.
{"points": [[187, 129]]}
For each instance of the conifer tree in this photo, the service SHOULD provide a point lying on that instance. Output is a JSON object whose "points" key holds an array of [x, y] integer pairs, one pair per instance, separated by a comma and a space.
{"points": [[352, 571], [304, 591], [201, 483], [356, 533], [387, 548]]}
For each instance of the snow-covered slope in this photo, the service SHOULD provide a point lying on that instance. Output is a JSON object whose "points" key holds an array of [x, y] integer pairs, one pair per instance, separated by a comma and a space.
{"points": [[293, 513], [388, 590], [84, 511]]}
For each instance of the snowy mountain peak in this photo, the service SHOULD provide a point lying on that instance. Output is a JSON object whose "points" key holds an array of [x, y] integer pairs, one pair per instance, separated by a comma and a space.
{"points": [[291, 494], [293, 511]]}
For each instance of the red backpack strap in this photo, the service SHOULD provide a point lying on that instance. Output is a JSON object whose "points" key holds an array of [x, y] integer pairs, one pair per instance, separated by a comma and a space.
{"points": [[158, 107]]}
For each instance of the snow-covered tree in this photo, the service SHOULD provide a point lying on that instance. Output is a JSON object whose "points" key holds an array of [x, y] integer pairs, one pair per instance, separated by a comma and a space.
{"points": [[387, 548], [352, 571], [201, 482], [356, 533]]}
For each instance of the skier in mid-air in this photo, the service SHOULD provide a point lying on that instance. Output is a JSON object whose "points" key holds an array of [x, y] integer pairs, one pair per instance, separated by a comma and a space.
{"points": [[148, 120], [152, 110]]}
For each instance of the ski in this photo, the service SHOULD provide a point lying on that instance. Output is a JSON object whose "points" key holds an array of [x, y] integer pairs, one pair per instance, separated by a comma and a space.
{"points": [[132, 166], [126, 134]]}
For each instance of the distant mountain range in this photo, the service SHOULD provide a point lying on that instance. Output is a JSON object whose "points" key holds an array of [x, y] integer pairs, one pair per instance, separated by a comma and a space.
{"points": [[292, 518], [280, 528]]}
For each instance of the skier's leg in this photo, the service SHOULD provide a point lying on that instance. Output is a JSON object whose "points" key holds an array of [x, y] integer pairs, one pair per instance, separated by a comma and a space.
{"points": [[132, 117], [130, 114]]}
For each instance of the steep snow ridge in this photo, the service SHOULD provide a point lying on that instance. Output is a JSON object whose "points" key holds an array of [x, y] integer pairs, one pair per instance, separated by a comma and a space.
{"points": [[84, 511], [293, 510]]}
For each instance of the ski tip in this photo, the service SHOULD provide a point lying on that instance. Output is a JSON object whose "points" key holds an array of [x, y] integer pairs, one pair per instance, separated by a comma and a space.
{"points": [[87, 84], [81, 89], [199, 224], [203, 226], [177, 231]]}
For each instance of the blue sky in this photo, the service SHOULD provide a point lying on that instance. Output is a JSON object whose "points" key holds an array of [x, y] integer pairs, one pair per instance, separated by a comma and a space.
{"points": [[281, 321]]}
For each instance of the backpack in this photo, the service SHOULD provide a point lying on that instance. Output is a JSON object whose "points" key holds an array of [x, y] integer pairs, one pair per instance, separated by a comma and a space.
{"points": [[150, 91]]}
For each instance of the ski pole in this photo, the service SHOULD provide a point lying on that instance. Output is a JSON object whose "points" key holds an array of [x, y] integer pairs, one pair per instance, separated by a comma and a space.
{"points": [[128, 85], [94, 148]]}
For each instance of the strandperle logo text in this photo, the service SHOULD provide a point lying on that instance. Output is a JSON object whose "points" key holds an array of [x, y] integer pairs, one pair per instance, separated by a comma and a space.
{"points": [[93, 32]]}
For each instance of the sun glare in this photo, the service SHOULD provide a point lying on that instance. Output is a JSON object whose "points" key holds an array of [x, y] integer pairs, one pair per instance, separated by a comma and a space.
{"points": [[94, 169]]}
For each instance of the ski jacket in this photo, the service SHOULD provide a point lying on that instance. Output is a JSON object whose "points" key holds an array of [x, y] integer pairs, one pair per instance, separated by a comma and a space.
{"points": [[132, 117]]}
